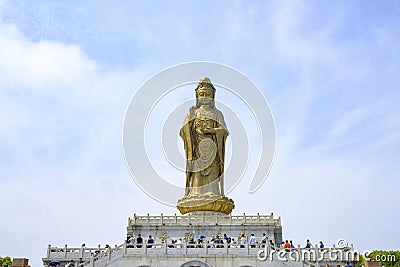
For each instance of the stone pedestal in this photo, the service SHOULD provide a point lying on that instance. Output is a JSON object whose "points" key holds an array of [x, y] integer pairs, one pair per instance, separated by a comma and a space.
{"points": [[208, 224]]}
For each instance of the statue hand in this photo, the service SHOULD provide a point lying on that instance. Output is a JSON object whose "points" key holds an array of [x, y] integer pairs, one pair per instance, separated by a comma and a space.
{"points": [[209, 130]]}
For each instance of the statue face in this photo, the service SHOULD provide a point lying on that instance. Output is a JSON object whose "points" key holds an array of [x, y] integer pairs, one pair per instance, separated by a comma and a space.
{"points": [[204, 96]]}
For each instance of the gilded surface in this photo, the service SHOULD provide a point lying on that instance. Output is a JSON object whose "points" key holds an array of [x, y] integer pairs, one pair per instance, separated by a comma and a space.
{"points": [[204, 136]]}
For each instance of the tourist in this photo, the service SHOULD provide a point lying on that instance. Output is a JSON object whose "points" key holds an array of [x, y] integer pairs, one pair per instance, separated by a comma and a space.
{"points": [[242, 240], [308, 244], [150, 242], [233, 242], [139, 241], [131, 242], [212, 242], [348, 264], [71, 263], [107, 250], [271, 244], [264, 240], [96, 254], [172, 245], [291, 244], [191, 243], [226, 238], [252, 241], [199, 242], [321, 245], [219, 242], [179, 243], [287, 246]]}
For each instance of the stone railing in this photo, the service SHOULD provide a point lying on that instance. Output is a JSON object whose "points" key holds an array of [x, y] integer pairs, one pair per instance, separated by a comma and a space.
{"points": [[107, 255], [205, 218], [77, 254]]}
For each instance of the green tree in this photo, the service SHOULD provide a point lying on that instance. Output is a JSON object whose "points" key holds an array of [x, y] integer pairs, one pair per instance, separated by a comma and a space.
{"points": [[5, 262]]}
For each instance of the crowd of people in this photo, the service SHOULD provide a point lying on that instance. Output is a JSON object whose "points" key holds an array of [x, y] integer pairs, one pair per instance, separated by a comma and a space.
{"points": [[218, 241]]}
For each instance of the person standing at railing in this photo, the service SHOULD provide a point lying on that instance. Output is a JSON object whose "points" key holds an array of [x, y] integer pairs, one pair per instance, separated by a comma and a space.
{"points": [[179, 243], [264, 240], [131, 242], [242, 240], [271, 244], [308, 244], [107, 250], [96, 254], [291, 244], [287, 246], [321, 245], [150, 242], [252, 241], [139, 241]]}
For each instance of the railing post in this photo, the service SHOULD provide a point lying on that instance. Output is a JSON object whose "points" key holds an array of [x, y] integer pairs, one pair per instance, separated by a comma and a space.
{"points": [[205, 247], [109, 253], [300, 256], [125, 248], [165, 247], [92, 261], [316, 255], [185, 247], [226, 247], [82, 251], [48, 251], [176, 219], [244, 217], [162, 218], [65, 251], [145, 247], [247, 248], [258, 217]]}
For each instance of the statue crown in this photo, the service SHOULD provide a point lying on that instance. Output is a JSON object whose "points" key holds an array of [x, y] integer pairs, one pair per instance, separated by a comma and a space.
{"points": [[205, 84]]}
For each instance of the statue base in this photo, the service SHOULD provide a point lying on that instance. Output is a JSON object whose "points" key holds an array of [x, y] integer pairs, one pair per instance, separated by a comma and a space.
{"points": [[210, 202]]}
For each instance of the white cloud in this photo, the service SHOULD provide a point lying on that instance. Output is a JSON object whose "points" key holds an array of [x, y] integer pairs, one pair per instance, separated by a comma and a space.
{"points": [[61, 162]]}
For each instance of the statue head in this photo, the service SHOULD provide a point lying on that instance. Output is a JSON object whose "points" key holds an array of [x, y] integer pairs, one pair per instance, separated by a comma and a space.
{"points": [[205, 92]]}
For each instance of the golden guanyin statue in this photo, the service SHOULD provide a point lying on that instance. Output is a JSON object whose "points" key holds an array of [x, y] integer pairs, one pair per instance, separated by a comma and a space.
{"points": [[204, 135]]}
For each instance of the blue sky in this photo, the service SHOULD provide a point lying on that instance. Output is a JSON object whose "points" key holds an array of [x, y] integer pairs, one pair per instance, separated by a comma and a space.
{"points": [[68, 70]]}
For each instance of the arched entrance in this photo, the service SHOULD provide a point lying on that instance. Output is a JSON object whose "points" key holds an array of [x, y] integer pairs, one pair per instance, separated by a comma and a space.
{"points": [[195, 264]]}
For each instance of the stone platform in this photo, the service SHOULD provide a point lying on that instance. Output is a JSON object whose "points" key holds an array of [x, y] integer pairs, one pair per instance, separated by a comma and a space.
{"points": [[207, 224], [191, 253]]}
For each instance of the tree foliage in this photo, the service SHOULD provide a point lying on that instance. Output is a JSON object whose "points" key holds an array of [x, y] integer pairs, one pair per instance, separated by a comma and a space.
{"points": [[5, 262]]}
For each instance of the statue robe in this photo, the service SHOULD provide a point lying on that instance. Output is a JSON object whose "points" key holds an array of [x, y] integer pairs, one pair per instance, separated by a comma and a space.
{"points": [[190, 139]]}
